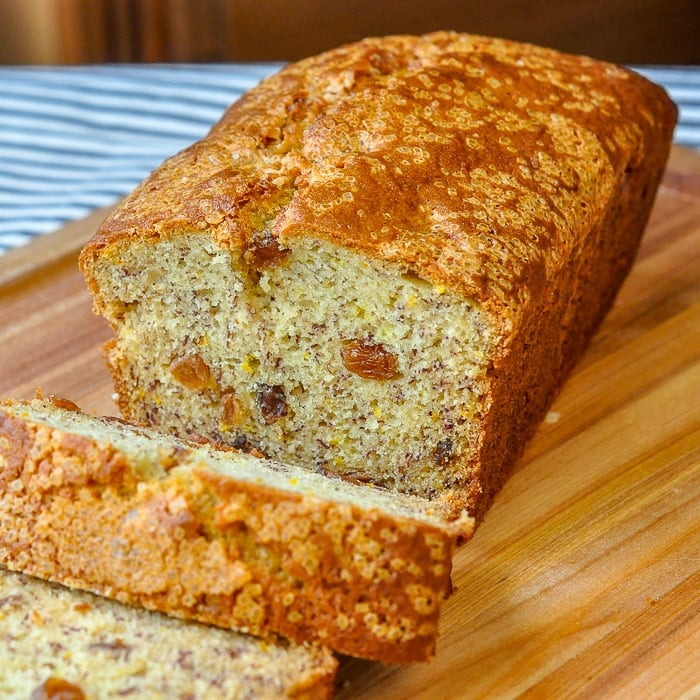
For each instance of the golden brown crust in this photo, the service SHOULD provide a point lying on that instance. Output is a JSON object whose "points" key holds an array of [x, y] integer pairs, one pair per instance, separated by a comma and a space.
{"points": [[473, 162], [203, 546]]}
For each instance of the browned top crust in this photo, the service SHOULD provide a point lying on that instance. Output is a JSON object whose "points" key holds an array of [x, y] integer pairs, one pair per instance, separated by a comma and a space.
{"points": [[473, 162]]}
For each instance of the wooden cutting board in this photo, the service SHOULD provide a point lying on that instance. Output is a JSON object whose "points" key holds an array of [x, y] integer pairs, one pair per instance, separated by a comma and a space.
{"points": [[584, 579]]}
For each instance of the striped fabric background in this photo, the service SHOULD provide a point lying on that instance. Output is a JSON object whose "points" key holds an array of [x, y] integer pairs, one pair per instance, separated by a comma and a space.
{"points": [[76, 138]]}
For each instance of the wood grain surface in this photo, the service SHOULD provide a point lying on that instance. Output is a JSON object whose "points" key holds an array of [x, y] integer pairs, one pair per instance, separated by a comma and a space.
{"points": [[584, 579]]}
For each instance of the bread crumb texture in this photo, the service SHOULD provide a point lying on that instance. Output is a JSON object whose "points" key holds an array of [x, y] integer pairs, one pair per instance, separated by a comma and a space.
{"points": [[383, 261], [72, 645], [218, 536]]}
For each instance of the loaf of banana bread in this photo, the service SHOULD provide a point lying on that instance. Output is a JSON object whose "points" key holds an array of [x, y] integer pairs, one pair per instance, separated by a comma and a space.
{"points": [[220, 536], [384, 260], [59, 644]]}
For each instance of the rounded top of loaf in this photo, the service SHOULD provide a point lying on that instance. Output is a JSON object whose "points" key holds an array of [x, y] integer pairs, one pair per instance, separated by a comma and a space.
{"points": [[475, 163]]}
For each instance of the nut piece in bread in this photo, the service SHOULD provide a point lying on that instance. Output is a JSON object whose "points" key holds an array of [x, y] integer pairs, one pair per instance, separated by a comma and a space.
{"points": [[219, 536], [384, 260], [61, 644]]}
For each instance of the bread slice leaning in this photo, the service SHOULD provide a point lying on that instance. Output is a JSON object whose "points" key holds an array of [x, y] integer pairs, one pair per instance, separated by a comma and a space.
{"points": [[219, 536], [384, 260], [63, 644]]}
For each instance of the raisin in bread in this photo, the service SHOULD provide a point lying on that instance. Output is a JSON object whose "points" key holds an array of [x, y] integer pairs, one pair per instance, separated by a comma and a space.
{"points": [[384, 260], [220, 536], [60, 644]]}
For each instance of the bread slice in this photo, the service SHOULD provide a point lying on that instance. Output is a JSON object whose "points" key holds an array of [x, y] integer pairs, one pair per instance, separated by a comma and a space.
{"points": [[219, 536], [63, 644], [384, 260]]}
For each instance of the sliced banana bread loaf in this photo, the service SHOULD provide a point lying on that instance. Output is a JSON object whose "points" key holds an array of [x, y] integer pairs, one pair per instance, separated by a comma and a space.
{"points": [[220, 536], [384, 260], [59, 644]]}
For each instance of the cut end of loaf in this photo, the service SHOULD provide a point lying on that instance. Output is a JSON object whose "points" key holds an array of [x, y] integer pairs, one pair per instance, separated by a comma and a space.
{"points": [[323, 358]]}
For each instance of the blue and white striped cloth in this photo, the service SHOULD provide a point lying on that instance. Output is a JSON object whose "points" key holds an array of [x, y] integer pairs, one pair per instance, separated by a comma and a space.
{"points": [[683, 85], [73, 139]]}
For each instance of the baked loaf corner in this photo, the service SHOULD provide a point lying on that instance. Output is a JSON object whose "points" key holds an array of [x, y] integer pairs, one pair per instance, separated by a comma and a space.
{"points": [[218, 536], [383, 261], [59, 643]]}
